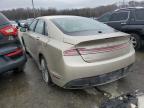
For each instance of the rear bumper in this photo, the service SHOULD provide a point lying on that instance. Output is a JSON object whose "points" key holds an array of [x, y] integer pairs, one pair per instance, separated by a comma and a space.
{"points": [[76, 70], [10, 65], [98, 80]]}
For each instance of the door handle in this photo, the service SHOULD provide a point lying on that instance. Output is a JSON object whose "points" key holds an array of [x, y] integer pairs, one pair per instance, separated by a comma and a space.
{"points": [[123, 23], [37, 38]]}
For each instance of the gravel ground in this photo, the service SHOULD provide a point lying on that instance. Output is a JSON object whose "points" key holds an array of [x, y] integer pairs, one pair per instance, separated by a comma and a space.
{"points": [[27, 89]]}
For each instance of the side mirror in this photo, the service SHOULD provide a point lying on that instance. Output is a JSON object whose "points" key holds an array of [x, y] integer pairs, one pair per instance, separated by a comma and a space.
{"points": [[22, 29]]}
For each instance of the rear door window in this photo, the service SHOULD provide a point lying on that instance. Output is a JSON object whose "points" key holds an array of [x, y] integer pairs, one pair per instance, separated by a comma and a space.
{"points": [[40, 27], [139, 14], [32, 26], [119, 16]]}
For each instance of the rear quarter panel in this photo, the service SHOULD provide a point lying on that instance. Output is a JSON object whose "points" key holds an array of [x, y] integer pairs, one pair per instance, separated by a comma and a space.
{"points": [[52, 50], [53, 53]]}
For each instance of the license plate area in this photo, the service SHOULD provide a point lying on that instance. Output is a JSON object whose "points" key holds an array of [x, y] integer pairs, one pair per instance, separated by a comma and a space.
{"points": [[6, 39]]}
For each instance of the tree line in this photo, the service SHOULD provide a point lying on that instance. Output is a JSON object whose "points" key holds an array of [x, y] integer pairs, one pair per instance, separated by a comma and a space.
{"points": [[24, 13]]}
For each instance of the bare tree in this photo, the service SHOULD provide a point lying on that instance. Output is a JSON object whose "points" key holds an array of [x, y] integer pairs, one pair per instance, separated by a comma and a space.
{"points": [[22, 13]]}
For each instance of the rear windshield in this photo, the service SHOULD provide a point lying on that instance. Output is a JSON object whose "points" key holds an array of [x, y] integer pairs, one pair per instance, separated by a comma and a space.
{"points": [[80, 24], [3, 20], [139, 13]]}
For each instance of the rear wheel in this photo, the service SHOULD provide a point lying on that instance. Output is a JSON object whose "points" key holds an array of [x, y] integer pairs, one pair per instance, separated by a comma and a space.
{"points": [[45, 72], [136, 41]]}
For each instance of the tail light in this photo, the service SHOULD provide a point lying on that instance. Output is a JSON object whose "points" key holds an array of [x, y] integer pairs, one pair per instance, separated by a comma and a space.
{"points": [[85, 51], [9, 31], [18, 51], [71, 52]]}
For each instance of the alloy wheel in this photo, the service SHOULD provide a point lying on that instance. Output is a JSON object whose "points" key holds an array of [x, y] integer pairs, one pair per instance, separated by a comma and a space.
{"points": [[44, 69], [134, 41]]}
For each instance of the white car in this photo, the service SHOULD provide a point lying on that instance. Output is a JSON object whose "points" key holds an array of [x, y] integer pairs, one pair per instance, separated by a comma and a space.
{"points": [[78, 52]]}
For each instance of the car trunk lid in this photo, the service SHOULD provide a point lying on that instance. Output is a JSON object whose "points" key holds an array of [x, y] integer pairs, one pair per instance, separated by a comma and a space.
{"points": [[9, 41], [101, 47]]}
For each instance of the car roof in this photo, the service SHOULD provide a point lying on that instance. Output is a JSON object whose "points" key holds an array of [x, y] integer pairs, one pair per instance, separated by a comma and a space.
{"points": [[56, 16], [129, 9]]}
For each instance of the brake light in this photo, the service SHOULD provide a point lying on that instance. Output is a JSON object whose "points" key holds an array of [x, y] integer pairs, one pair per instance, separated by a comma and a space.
{"points": [[9, 31], [84, 51], [71, 52], [16, 52]]}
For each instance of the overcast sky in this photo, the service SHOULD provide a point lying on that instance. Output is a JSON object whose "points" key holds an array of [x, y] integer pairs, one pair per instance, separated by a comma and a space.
{"points": [[59, 4]]}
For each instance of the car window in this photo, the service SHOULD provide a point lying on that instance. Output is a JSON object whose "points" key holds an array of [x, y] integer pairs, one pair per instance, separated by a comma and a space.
{"points": [[105, 18], [80, 24], [46, 29], [40, 27], [3, 20], [119, 16], [32, 26], [139, 13]]}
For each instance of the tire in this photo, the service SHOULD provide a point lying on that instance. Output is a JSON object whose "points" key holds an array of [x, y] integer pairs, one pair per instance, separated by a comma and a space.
{"points": [[136, 41], [45, 72]]}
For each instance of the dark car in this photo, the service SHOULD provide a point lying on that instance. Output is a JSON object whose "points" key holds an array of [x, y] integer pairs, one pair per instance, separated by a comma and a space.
{"points": [[12, 56], [129, 20]]}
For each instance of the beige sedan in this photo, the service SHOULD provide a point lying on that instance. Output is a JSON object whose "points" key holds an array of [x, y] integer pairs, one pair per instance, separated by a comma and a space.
{"points": [[77, 52]]}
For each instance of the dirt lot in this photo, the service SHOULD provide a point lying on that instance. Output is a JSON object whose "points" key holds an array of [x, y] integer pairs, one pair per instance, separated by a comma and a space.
{"points": [[27, 90]]}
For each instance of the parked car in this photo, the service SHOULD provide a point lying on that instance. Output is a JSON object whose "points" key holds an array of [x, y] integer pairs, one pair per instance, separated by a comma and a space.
{"points": [[129, 20], [14, 24], [12, 56], [78, 52], [22, 22]]}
